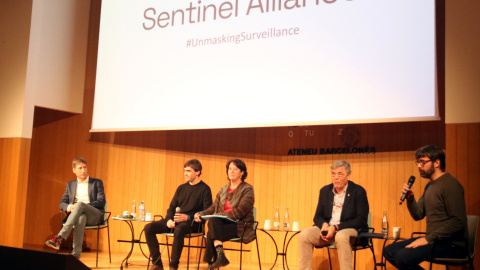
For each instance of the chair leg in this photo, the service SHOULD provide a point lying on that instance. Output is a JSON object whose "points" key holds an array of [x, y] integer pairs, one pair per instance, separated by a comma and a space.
{"points": [[188, 252], [374, 259], [109, 253], [258, 254], [200, 256], [98, 238], [241, 253], [168, 251], [470, 262], [329, 259], [354, 259]]}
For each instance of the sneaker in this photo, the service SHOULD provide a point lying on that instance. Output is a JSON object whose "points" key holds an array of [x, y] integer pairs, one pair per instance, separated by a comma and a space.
{"points": [[54, 242], [221, 261]]}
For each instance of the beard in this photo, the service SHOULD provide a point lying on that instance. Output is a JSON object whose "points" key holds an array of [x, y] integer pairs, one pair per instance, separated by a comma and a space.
{"points": [[428, 173]]}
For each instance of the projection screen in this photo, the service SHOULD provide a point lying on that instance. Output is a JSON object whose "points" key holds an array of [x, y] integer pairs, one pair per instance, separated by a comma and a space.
{"points": [[177, 64]]}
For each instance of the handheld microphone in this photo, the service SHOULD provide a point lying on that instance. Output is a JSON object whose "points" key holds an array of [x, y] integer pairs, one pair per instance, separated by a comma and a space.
{"points": [[177, 211], [411, 180]]}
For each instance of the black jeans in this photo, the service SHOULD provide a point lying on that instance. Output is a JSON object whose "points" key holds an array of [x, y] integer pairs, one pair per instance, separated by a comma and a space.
{"points": [[410, 258], [218, 230], [157, 227]]}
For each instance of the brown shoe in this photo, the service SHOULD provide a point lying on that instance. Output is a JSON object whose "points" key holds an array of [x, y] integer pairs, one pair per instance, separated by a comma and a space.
{"points": [[156, 267], [54, 242]]}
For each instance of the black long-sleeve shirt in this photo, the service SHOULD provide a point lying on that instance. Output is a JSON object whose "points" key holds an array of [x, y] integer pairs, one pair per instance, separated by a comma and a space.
{"points": [[191, 199]]}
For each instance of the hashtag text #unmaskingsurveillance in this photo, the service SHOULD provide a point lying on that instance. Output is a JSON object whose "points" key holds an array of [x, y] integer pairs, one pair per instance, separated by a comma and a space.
{"points": [[244, 36]]}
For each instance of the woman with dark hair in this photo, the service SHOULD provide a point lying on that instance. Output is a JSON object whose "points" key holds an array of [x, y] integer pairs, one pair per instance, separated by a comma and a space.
{"points": [[234, 200]]}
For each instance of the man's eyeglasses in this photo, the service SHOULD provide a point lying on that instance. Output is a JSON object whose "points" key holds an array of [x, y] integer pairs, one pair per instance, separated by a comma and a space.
{"points": [[339, 205], [421, 162]]}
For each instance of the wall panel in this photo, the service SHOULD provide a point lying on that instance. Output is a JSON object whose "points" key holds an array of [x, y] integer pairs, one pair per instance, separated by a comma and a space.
{"points": [[14, 158]]}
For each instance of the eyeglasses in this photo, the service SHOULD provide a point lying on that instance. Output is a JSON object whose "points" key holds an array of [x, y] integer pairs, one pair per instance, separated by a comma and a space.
{"points": [[339, 205], [422, 162]]}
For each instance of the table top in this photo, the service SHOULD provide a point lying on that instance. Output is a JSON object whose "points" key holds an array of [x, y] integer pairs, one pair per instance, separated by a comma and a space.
{"points": [[379, 236], [125, 218], [271, 230]]}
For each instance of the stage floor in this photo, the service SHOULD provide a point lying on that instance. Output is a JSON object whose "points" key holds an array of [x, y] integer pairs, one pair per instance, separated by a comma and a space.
{"points": [[139, 262]]}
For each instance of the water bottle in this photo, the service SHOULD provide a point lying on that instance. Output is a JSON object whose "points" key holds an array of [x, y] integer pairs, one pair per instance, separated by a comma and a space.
{"points": [[385, 224], [141, 210], [276, 220], [134, 209], [286, 220]]}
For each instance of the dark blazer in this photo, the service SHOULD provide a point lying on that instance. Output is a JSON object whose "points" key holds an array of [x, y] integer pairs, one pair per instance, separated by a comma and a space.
{"points": [[354, 211], [96, 194]]}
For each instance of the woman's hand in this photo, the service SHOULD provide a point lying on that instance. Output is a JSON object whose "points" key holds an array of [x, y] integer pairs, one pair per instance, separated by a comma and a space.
{"points": [[197, 217]]}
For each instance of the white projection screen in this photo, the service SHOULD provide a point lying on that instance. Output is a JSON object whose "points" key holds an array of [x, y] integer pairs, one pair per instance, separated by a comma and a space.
{"points": [[177, 64]]}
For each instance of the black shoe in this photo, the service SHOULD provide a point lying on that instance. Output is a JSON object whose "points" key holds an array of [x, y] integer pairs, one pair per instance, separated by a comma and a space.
{"points": [[54, 242], [221, 261], [156, 267]]}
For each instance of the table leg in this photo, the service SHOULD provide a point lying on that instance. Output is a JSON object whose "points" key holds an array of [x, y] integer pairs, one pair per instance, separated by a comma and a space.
{"points": [[286, 242], [286, 248], [276, 247], [383, 261], [131, 248], [140, 244]]}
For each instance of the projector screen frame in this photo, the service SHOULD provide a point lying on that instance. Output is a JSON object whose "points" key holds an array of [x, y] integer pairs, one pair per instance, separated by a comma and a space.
{"points": [[440, 93]]}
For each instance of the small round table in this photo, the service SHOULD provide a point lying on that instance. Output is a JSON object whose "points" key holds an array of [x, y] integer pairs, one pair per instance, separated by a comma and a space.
{"points": [[284, 246], [132, 240]]}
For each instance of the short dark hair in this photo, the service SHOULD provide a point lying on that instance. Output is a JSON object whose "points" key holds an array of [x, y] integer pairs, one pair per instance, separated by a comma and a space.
{"points": [[195, 165], [77, 161], [239, 164], [433, 152]]}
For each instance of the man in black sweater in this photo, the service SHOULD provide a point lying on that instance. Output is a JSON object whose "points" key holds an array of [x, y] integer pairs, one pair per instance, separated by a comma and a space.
{"points": [[190, 198], [443, 204]]}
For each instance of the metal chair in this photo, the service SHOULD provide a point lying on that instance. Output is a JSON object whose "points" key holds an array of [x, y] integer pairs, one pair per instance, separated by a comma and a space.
{"points": [[240, 240], [102, 225], [472, 225], [189, 236], [363, 241]]}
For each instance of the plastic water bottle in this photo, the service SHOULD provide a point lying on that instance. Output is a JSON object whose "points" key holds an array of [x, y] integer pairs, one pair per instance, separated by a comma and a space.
{"points": [[134, 209], [276, 220], [385, 224], [141, 211], [286, 220]]}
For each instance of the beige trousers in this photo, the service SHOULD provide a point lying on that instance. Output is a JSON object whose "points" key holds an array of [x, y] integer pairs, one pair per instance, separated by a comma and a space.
{"points": [[310, 237]]}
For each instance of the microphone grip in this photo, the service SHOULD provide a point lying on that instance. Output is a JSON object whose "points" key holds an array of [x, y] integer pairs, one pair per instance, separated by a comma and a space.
{"points": [[177, 211], [404, 195]]}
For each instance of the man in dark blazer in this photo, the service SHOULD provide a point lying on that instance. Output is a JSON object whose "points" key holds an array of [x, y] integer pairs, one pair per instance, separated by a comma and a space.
{"points": [[84, 201], [341, 211]]}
